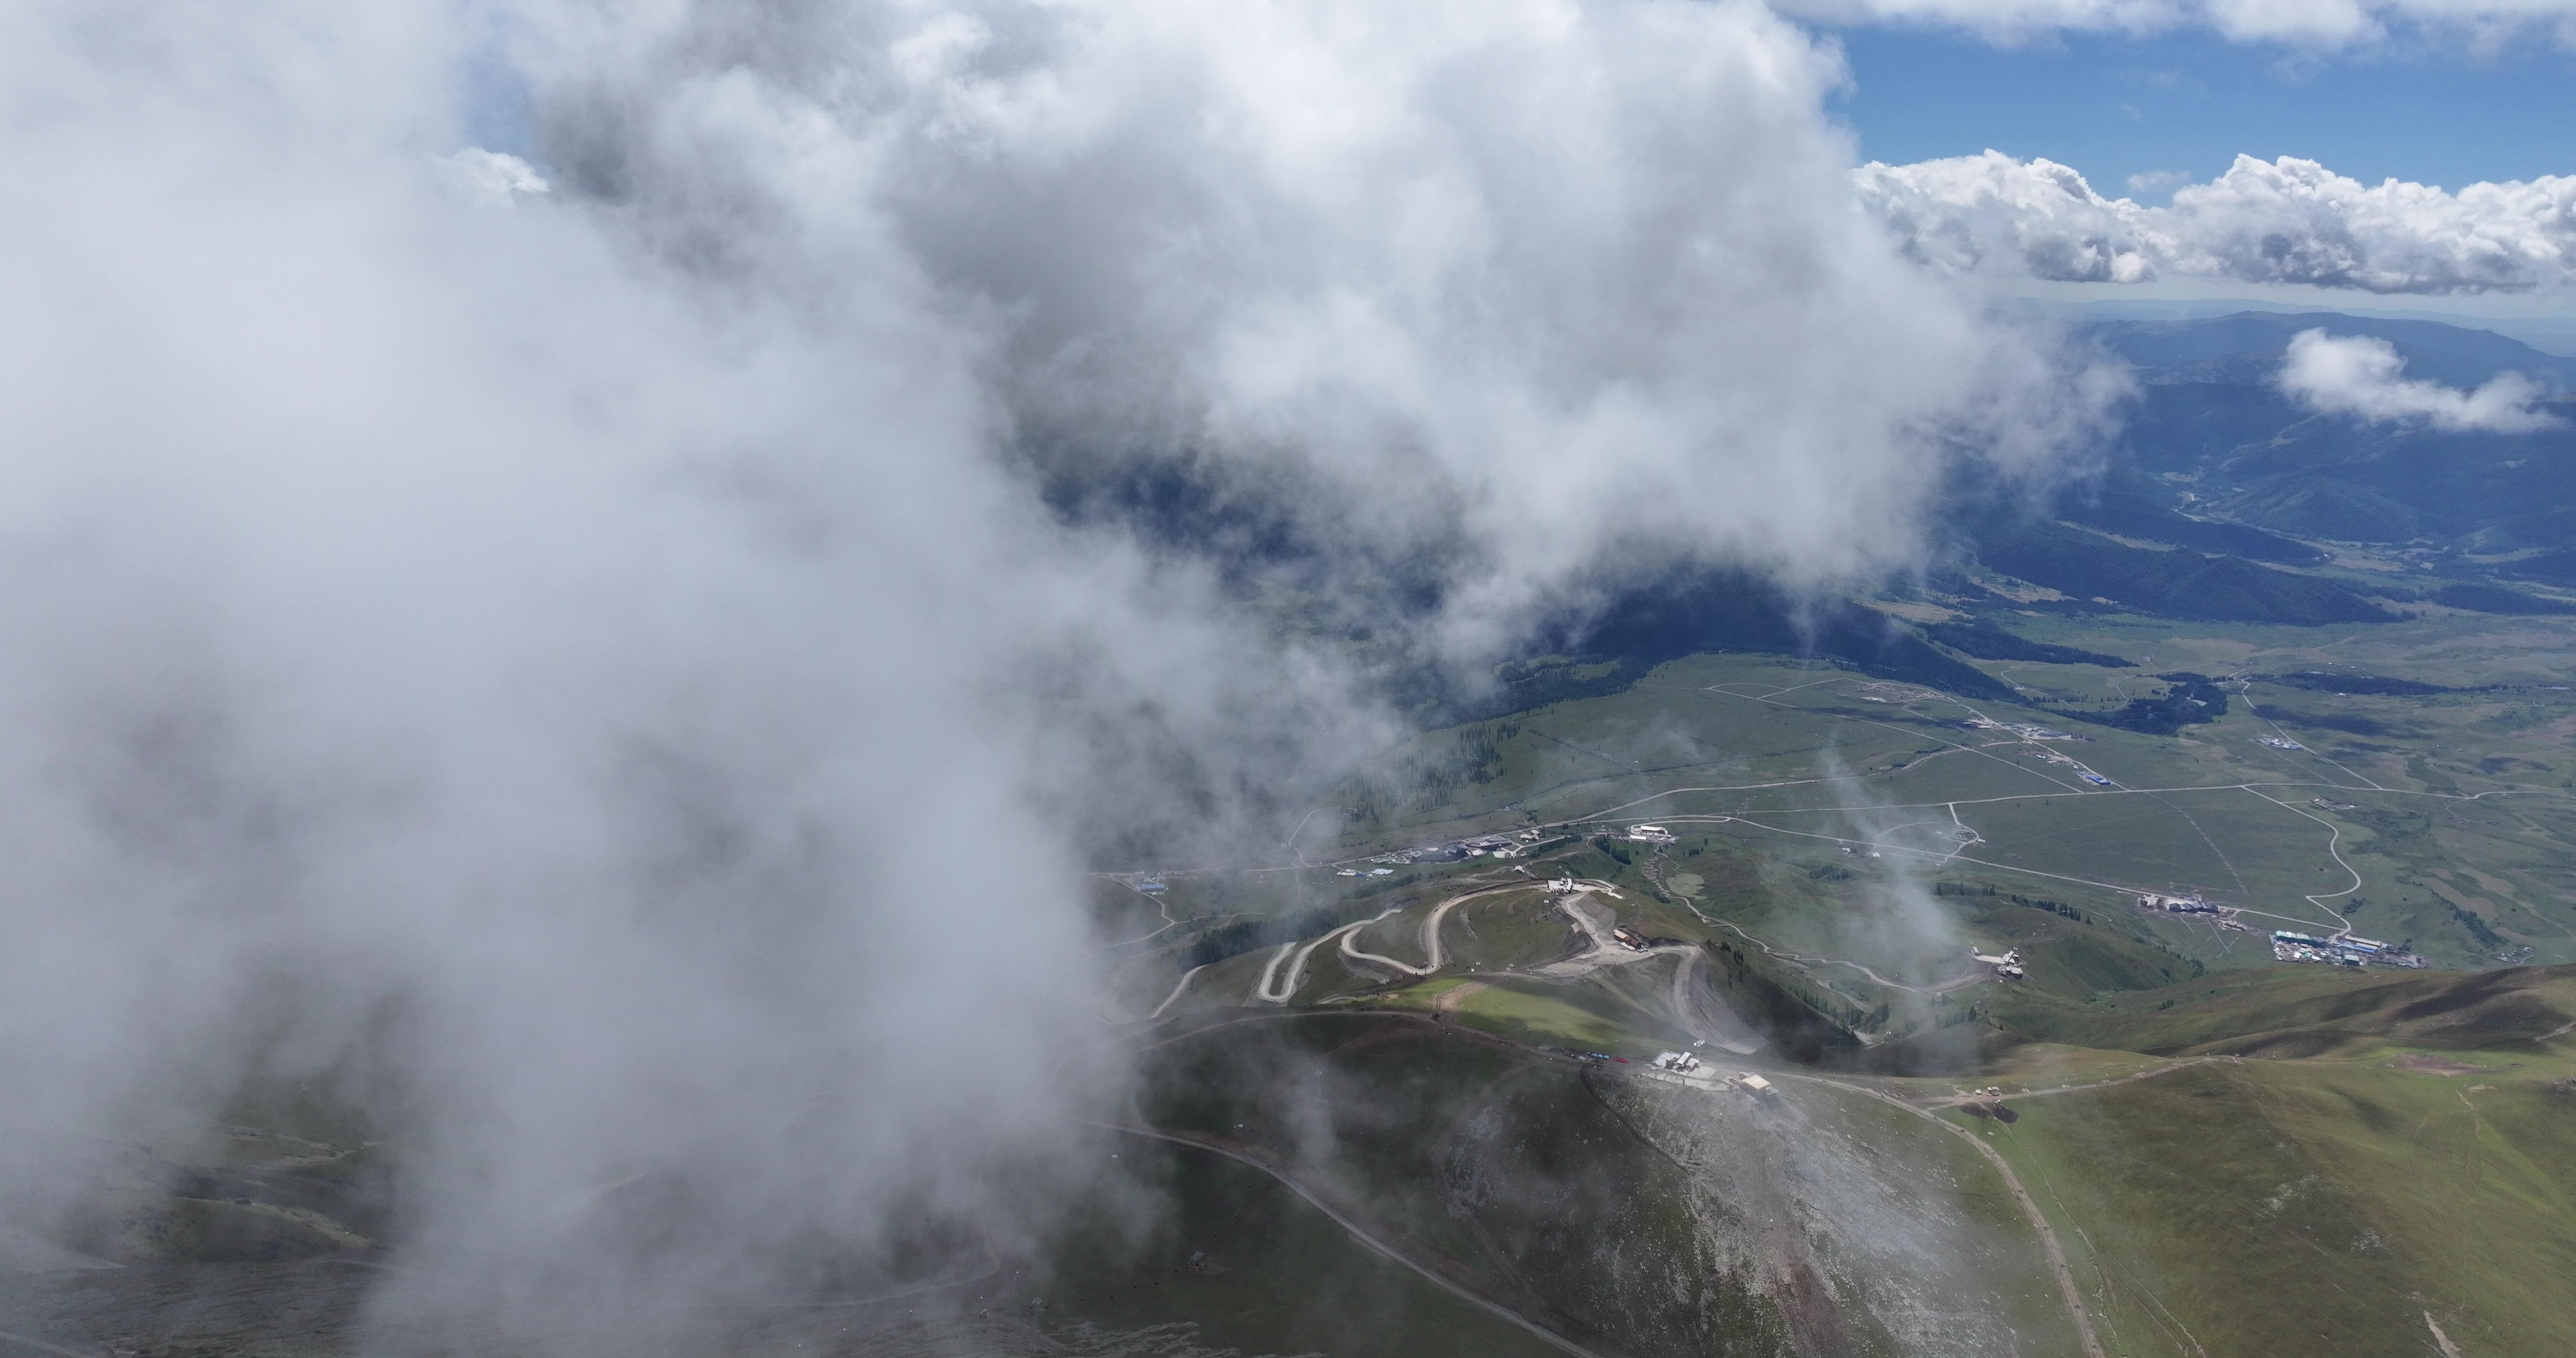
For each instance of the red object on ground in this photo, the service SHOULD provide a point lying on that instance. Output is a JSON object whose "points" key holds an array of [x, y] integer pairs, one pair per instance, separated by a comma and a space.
{"points": [[1620, 1059]]}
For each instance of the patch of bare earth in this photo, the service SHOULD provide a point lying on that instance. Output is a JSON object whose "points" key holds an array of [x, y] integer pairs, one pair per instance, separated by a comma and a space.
{"points": [[2435, 1065]]}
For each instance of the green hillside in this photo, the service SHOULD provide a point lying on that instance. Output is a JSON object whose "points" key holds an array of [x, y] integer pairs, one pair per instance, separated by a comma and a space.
{"points": [[2314, 1011]]}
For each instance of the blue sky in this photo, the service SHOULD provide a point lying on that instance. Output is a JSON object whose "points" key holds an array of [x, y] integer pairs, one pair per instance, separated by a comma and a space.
{"points": [[2113, 107]]}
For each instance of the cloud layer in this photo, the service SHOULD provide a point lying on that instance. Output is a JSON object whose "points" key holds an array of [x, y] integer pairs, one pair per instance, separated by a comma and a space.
{"points": [[580, 646], [2366, 378], [1472, 280], [2287, 221]]}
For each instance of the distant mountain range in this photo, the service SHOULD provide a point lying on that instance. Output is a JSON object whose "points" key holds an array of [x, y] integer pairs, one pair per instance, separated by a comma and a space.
{"points": [[2213, 438], [2223, 500], [2220, 488]]}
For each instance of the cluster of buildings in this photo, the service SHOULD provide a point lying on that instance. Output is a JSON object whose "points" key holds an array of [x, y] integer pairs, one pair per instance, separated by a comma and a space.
{"points": [[2025, 730], [2088, 775], [2343, 950], [1494, 846], [1685, 1068], [1481, 846], [2224, 916]]}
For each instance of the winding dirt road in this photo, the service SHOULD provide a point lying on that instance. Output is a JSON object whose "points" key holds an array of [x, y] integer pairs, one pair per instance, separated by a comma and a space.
{"points": [[1431, 950], [1295, 955], [2066, 1285]]}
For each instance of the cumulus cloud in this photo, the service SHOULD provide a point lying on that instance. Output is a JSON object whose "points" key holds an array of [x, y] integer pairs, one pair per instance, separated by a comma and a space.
{"points": [[588, 642], [2305, 23], [2366, 378], [1447, 279], [2284, 221]]}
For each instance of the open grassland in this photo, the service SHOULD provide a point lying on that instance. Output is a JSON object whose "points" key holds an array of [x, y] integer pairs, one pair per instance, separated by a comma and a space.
{"points": [[2444, 819]]}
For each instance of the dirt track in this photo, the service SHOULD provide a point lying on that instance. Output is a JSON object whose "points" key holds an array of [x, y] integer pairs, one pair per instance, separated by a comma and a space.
{"points": [[1432, 952], [1378, 1238], [2066, 1285], [1350, 1217]]}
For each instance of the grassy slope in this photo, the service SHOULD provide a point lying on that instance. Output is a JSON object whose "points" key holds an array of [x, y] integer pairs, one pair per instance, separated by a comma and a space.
{"points": [[2301, 1207], [2312, 1012], [1279, 1277], [1597, 1195], [2323, 1201], [2398, 1145]]}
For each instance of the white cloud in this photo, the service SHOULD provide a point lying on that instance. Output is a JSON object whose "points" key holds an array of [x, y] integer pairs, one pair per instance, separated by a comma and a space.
{"points": [[607, 667], [2285, 221], [2328, 24], [2365, 378]]}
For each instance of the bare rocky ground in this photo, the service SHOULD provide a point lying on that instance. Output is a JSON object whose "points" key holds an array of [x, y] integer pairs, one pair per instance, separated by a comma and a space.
{"points": [[1834, 1222]]}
